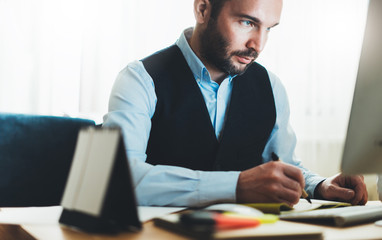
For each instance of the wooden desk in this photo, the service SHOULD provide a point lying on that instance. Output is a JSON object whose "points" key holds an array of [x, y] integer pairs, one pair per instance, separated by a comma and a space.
{"points": [[364, 232], [149, 231]]}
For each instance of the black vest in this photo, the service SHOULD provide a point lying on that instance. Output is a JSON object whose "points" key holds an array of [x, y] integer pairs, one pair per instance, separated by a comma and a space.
{"points": [[182, 133]]}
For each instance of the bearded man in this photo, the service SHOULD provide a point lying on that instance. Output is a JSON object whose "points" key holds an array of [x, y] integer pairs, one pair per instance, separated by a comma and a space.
{"points": [[201, 118]]}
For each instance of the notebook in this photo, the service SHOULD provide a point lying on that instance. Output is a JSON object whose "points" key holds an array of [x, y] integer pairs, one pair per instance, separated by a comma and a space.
{"points": [[301, 206], [340, 217]]}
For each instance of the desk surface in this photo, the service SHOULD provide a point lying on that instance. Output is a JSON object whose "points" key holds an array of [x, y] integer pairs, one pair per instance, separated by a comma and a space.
{"points": [[53, 230], [366, 231]]}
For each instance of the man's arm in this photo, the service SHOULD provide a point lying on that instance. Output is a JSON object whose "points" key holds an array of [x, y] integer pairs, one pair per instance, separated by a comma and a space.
{"points": [[283, 141], [277, 181], [131, 106], [280, 182]]}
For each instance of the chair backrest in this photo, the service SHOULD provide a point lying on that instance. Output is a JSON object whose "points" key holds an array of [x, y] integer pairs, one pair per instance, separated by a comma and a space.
{"points": [[35, 157]]}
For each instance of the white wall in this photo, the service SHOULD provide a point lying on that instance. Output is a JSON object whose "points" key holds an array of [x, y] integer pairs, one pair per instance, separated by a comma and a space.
{"points": [[61, 57]]}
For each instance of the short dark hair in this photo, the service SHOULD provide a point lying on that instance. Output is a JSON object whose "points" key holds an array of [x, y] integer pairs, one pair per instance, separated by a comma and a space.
{"points": [[216, 6]]}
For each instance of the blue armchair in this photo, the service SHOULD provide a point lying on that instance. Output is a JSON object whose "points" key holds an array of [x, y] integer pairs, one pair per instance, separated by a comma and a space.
{"points": [[35, 157]]}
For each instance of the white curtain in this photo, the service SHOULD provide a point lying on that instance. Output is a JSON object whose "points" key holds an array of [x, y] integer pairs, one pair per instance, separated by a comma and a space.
{"points": [[62, 56], [315, 51]]}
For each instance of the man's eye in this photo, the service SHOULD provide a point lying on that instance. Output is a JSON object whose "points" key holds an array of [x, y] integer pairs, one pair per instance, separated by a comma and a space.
{"points": [[247, 23]]}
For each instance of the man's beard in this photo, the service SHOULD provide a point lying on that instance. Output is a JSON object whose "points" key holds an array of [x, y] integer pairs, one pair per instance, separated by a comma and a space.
{"points": [[214, 49]]}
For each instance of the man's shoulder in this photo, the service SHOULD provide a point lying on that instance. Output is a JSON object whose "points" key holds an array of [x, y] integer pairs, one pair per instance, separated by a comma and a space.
{"points": [[165, 53], [132, 68], [164, 62]]}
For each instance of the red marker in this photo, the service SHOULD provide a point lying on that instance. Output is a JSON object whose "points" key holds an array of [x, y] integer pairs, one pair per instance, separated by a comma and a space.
{"points": [[217, 220]]}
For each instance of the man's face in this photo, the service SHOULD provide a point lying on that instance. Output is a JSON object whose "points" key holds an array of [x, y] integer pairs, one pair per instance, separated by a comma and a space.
{"points": [[233, 41]]}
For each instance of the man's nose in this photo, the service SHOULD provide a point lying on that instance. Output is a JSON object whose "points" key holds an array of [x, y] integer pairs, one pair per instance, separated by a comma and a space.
{"points": [[258, 40]]}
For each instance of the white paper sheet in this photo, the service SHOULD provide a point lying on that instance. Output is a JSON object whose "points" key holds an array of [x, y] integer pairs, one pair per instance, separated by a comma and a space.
{"points": [[30, 215], [148, 213], [51, 215]]}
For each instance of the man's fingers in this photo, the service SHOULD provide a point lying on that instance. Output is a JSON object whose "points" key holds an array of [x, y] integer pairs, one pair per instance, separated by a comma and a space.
{"points": [[289, 196], [362, 200], [295, 174], [270, 182], [344, 194], [292, 185], [357, 198], [360, 197]]}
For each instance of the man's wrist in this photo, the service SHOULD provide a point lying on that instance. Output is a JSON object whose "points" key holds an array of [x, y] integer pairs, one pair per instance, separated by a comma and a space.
{"points": [[238, 189], [317, 193]]}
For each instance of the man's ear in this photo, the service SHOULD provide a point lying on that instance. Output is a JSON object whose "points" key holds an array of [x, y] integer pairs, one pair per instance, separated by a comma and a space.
{"points": [[202, 11]]}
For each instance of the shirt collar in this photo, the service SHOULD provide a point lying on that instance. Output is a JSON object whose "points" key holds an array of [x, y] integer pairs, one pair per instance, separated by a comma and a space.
{"points": [[197, 67]]}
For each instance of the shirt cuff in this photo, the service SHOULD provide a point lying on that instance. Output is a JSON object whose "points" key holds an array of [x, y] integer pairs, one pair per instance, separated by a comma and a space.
{"points": [[217, 187], [312, 183]]}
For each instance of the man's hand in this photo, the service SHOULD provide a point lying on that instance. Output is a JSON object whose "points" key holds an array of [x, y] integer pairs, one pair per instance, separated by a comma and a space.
{"points": [[270, 182], [350, 189]]}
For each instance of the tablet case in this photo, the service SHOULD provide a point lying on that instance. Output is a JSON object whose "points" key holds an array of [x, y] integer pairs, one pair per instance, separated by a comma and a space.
{"points": [[99, 196]]}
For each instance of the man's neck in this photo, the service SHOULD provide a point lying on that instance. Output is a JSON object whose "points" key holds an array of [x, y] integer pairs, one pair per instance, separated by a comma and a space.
{"points": [[216, 75]]}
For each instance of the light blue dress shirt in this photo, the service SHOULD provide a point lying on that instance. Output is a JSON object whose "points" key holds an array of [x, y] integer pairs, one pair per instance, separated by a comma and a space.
{"points": [[131, 107]]}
